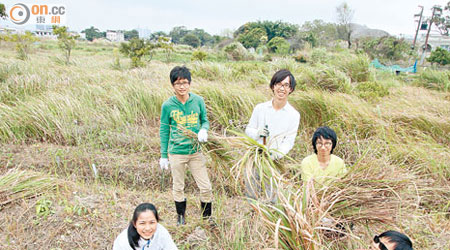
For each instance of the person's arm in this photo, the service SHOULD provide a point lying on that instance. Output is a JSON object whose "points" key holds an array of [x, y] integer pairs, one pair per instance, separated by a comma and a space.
{"points": [[252, 127], [203, 116], [121, 242], [289, 139], [164, 130], [166, 240]]}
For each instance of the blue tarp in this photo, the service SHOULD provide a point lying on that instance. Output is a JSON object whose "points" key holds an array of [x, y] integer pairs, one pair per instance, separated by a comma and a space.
{"points": [[394, 68]]}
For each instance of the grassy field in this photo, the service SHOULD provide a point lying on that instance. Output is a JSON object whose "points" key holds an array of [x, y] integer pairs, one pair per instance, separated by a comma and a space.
{"points": [[80, 148]]}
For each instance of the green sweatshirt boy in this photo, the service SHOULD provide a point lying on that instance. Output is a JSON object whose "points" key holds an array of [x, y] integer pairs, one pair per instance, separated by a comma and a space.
{"points": [[191, 116]]}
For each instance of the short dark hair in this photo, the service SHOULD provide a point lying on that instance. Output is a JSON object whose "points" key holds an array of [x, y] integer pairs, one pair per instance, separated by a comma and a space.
{"points": [[326, 133], [133, 235], [402, 242], [280, 75], [180, 72]]}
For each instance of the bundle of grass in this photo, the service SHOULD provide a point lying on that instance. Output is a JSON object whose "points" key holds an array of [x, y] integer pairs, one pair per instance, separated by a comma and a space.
{"points": [[298, 218], [313, 215], [16, 185]]}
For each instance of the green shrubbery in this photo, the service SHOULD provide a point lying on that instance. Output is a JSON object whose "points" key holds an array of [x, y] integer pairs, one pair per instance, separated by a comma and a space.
{"points": [[440, 56], [371, 90], [199, 55]]}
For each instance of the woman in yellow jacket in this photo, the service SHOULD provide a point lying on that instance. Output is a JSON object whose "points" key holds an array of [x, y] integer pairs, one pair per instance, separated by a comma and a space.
{"points": [[323, 166]]}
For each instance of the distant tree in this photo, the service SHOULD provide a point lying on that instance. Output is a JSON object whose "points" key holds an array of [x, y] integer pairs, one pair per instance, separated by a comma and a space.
{"points": [[191, 40], [128, 35], [93, 33], [388, 47], [278, 45], [135, 49], [155, 35], [66, 41], [177, 33], [253, 38], [324, 32], [218, 39], [344, 19], [440, 56], [205, 37], [443, 22], [3, 14], [23, 43], [273, 29]]}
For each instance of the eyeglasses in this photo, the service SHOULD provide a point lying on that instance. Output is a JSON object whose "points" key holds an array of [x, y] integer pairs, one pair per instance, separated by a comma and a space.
{"points": [[285, 85], [376, 239], [179, 84], [326, 144]]}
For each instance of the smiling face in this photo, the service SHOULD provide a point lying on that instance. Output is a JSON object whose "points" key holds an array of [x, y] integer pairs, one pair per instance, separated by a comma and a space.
{"points": [[146, 224], [281, 90], [324, 146], [181, 87]]}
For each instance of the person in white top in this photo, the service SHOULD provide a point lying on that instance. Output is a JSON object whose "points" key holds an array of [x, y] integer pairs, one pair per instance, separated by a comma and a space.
{"points": [[275, 124], [276, 120], [144, 232]]}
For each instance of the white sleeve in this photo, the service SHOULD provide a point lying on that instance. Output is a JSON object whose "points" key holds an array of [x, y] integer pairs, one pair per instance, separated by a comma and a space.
{"points": [[121, 242], [252, 127], [167, 241]]}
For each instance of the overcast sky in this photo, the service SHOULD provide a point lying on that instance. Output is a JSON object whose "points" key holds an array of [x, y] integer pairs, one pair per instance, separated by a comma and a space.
{"points": [[393, 16]]}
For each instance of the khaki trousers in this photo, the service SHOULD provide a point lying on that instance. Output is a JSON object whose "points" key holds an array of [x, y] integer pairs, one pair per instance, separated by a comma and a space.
{"points": [[197, 164]]}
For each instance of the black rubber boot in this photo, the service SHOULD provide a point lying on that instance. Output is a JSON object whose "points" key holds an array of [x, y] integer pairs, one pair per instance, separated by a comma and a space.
{"points": [[181, 210], [206, 209], [206, 213]]}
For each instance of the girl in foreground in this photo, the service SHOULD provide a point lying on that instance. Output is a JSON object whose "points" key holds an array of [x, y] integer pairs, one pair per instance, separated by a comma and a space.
{"points": [[144, 232]]}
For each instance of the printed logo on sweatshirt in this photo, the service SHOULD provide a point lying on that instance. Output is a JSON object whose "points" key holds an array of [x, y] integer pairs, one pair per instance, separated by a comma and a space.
{"points": [[187, 121]]}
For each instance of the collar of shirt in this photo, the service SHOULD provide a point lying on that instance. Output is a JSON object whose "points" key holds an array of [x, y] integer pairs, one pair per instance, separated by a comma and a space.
{"points": [[269, 105]]}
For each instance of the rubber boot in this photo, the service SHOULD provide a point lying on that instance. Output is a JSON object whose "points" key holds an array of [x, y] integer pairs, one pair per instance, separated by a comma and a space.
{"points": [[181, 210], [206, 213], [206, 209]]}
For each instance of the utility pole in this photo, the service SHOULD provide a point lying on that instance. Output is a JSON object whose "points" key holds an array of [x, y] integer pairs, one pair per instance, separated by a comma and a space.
{"points": [[418, 26], [428, 34]]}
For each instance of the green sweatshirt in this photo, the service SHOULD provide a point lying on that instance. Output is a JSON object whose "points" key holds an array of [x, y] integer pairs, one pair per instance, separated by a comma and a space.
{"points": [[191, 115]]}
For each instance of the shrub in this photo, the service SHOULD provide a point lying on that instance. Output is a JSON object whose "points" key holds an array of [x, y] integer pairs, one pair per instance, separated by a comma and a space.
{"points": [[371, 90], [386, 47], [23, 43], [278, 45], [135, 49], [300, 57], [199, 55], [440, 56], [235, 51]]}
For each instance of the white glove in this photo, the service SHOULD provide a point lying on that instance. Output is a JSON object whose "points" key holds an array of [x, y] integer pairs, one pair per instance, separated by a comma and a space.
{"points": [[202, 135], [164, 163], [263, 132]]}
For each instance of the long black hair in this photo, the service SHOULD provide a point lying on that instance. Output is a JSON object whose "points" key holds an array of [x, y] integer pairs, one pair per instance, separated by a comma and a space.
{"points": [[133, 235]]}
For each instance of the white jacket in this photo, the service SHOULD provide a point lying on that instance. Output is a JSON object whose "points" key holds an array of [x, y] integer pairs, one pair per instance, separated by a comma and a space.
{"points": [[161, 241]]}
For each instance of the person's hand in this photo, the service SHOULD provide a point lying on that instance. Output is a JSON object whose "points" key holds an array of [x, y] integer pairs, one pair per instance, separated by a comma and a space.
{"points": [[263, 132], [164, 163], [203, 135]]}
